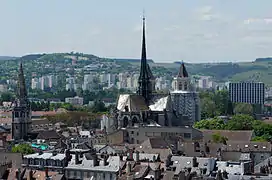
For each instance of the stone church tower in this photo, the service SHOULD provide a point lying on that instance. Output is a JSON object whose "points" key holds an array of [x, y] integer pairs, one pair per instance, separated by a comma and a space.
{"points": [[185, 99], [21, 112]]}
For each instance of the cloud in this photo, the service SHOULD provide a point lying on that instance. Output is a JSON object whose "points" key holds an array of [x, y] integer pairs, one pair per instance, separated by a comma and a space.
{"points": [[137, 28], [204, 9], [206, 13], [172, 28], [257, 20]]}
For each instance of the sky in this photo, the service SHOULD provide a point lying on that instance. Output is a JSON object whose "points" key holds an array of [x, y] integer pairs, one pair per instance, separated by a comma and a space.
{"points": [[189, 30]]}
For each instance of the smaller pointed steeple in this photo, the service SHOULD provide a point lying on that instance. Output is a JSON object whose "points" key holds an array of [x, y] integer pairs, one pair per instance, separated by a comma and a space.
{"points": [[182, 71]]}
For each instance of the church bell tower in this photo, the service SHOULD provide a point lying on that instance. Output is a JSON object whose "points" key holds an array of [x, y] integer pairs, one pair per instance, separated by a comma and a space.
{"points": [[21, 112]]}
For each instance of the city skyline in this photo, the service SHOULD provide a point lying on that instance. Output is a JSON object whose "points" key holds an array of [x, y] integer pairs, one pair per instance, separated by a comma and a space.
{"points": [[206, 31]]}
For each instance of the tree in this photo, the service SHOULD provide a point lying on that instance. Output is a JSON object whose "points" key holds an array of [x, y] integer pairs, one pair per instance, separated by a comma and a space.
{"points": [[243, 108], [221, 99], [79, 92], [211, 124], [98, 106], [22, 148], [230, 108], [6, 97], [240, 122], [208, 108]]}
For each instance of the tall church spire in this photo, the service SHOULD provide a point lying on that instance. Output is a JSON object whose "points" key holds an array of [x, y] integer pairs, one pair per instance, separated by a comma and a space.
{"points": [[145, 84], [144, 67], [21, 91]]}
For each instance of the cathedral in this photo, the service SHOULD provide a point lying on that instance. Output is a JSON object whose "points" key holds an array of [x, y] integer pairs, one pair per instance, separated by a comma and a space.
{"points": [[21, 111], [147, 108]]}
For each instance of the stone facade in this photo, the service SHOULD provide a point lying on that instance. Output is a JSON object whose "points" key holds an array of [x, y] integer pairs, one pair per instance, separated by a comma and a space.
{"points": [[185, 99]]}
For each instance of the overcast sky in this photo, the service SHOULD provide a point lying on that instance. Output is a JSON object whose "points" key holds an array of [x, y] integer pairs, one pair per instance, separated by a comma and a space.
{"points": [[192, 30]]}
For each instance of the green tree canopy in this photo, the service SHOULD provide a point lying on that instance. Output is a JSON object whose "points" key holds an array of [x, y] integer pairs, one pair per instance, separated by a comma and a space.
{"points": [[22, 148], [243, 108], [6, 97], [240, 122], [263, 131], [212, 124]]}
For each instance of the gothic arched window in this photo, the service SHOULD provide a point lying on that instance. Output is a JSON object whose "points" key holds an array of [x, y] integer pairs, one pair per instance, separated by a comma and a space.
{"points": [[125, 121], [134, 120]]}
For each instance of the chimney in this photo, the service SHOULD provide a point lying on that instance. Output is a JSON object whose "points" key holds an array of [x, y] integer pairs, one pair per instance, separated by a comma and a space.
{"points": [[46, 173], [105, 163], [18, 174], [157, 173], [76, 158], [207, 148], [30, 175], [95, 160], [195, 163], [154, 158], [130, 155], [168, 160], [225, 174], [128, 168], [67, 155], [121, 157], [137, 156], [219, 175], [54, 153]]}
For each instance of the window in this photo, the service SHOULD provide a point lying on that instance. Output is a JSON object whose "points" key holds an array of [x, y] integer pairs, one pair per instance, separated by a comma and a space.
{"points": [[180, 86], [16, 114], [187, 135], [132, 132], [185, 86]]}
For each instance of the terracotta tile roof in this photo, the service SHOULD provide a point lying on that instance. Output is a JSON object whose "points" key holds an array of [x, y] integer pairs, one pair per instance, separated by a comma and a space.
{"points": [[231, 135]]}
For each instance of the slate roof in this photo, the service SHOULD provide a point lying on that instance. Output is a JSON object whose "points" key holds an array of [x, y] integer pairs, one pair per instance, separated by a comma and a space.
{"points": [[155, 143], [50, 134], [135, 103], [155, 146], [113, 166], [231, 135], [243, 147]]}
